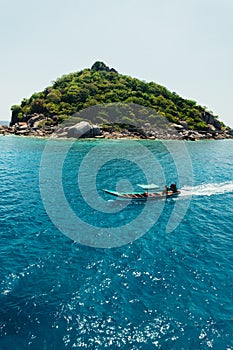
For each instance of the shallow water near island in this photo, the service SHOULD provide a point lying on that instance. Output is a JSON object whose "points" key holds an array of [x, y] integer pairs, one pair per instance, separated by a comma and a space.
{"points": [[165, 289]]}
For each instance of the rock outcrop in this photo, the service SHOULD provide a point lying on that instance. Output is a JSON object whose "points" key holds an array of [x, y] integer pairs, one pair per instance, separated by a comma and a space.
{"points": [[82, 129], [35, 118], [39, 126], [210, 120]]}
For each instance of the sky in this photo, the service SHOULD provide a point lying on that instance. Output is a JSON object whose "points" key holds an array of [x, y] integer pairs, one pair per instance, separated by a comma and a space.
{"points": [[184, 45]]}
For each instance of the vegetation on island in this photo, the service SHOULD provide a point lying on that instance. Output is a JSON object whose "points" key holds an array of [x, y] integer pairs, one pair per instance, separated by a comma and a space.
{"points": [[77, 91]]}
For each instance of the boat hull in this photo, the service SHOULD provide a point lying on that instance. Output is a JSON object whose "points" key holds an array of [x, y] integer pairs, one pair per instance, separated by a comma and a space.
{"points": [[143, 196]]}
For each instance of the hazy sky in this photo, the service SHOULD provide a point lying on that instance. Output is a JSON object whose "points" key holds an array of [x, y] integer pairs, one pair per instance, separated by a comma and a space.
{"points": [[185, 45]]}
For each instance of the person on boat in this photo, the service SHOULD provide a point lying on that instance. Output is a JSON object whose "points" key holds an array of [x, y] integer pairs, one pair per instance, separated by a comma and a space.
{"points": [[146, 194], [173, 188], [165, 191]]}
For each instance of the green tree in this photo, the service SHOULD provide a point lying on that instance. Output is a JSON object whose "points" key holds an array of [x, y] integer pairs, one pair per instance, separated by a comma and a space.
{"points": [[74, 92]]}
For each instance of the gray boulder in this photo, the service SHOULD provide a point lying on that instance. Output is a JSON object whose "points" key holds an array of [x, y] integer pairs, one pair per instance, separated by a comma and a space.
{"points": [[210, 119], [96, 130], [184, 124], [38, 122], [82, 129], [177, 126], [35, 118], [21, 126], [211, 127]]}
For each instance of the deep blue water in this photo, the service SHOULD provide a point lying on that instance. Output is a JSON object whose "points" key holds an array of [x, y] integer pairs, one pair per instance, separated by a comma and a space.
{"points": [[165, 282]]}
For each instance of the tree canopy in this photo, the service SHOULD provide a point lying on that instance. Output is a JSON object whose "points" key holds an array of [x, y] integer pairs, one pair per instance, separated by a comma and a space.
{"points": [[74, 92]]}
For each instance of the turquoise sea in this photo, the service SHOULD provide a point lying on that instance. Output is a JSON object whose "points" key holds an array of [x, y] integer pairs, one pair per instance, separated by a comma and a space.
{"points": [[153, 275]]}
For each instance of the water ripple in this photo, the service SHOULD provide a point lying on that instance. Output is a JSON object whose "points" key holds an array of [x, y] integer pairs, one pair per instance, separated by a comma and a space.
{"points": [[163, 291]]}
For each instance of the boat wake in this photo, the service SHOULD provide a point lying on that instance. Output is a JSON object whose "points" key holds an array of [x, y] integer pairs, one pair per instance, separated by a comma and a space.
{"points": [[208, 189]]}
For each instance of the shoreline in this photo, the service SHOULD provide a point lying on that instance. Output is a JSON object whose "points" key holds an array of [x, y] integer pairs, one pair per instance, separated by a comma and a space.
{"points": [[72, 139], [84, 130]]}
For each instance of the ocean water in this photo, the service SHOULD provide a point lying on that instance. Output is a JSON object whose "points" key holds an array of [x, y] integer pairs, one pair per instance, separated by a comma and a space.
{"points": [[154, 275], [4, 122]]}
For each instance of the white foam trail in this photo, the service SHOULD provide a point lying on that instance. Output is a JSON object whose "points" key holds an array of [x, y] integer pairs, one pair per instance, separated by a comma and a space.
{"points": [[207, 189]]}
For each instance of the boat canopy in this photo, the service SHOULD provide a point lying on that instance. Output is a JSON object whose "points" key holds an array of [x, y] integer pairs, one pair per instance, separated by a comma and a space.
{"points": [[148, 186]]}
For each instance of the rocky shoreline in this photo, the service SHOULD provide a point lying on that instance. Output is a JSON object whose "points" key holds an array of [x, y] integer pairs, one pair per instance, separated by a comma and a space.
{"points": [[84, 129]]}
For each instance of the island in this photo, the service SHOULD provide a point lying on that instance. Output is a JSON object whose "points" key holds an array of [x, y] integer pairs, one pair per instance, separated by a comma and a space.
{"points": [[101, 103]]}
